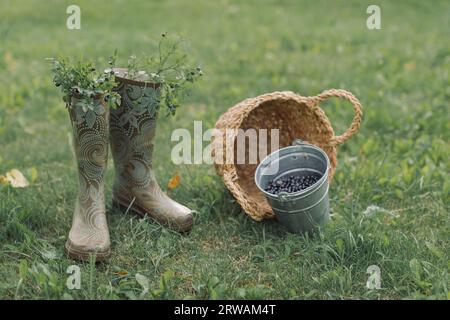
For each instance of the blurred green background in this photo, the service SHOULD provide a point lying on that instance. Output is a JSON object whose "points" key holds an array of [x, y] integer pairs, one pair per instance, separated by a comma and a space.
{"points": [[390, 195]]}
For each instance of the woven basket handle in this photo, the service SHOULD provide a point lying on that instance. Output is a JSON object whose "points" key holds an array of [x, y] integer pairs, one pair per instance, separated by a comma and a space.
{"points": [[337, 140]]}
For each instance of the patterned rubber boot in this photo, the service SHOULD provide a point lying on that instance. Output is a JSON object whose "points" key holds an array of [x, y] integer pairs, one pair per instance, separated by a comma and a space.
{"points": [[89, 233], [132, 132]]}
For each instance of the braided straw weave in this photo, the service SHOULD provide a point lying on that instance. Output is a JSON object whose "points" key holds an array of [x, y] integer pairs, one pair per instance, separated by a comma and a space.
{"points": [[296, 117]]}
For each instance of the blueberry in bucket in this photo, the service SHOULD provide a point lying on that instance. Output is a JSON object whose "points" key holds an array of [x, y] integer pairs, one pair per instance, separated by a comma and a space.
{"points": [[292, 183]]}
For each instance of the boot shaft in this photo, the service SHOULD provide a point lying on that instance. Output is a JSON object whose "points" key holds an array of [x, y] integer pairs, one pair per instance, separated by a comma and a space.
{"points": [[90, 139], [89, 232], [132, 132]]}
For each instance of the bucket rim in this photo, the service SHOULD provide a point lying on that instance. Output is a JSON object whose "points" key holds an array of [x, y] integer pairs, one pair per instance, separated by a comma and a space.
{"points": [[304, 192]]}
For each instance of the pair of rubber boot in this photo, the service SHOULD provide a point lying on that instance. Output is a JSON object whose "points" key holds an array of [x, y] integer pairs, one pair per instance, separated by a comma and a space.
{"points": [[130, 129]]}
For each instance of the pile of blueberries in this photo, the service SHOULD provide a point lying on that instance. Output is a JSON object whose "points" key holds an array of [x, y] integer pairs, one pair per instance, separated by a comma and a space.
{"points": [[292, 183]]}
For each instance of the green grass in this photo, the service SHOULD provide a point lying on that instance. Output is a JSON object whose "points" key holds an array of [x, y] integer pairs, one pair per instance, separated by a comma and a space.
{"points": [[398, 162]]}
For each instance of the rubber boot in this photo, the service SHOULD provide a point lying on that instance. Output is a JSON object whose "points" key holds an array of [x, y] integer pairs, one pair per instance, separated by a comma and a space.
{"points": [[132, 132], [89, 233]]}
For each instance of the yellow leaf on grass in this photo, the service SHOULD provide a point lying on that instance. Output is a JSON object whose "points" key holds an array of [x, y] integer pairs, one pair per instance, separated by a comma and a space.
{"points": [[32, 173], [3, 180], [174, 182], [17, 179], [411, 65], [10, 62]]}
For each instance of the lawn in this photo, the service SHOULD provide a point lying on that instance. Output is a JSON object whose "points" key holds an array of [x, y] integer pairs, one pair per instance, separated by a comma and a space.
{"points": [[389, 197]]}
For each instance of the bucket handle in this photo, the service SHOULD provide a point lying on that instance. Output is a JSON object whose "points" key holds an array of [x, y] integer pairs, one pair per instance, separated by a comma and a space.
{"points": [[337, 140], [299, 142], [283, 196]]}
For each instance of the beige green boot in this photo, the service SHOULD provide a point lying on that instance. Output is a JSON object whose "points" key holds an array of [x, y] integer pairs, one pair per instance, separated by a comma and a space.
{"points": [[132, 131], [89, 233]]}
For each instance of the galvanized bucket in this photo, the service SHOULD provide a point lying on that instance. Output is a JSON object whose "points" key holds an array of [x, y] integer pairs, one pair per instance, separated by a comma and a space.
{"points": [[306, 210]]}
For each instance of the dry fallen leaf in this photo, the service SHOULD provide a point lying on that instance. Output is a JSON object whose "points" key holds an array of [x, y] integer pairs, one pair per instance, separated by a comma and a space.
{"points": [[32, 173], [3, 180], [10, 62], [17, 179], [409, 66], [174, 181]]}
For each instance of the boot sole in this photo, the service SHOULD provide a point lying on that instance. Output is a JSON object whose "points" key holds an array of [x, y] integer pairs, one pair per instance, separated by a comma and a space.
{"points": [[85, 255], [141, 212]]}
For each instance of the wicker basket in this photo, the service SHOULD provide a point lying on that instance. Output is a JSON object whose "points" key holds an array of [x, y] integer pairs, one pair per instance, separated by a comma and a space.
{"points": [[296, 117]]}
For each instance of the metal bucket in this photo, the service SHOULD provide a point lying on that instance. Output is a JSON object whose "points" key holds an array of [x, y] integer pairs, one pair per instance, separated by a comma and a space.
{"points": [[303, 211]]}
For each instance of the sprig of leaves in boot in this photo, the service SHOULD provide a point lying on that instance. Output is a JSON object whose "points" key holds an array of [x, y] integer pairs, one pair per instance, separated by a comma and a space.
{"points": [[82, 79], [169, 68]]}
